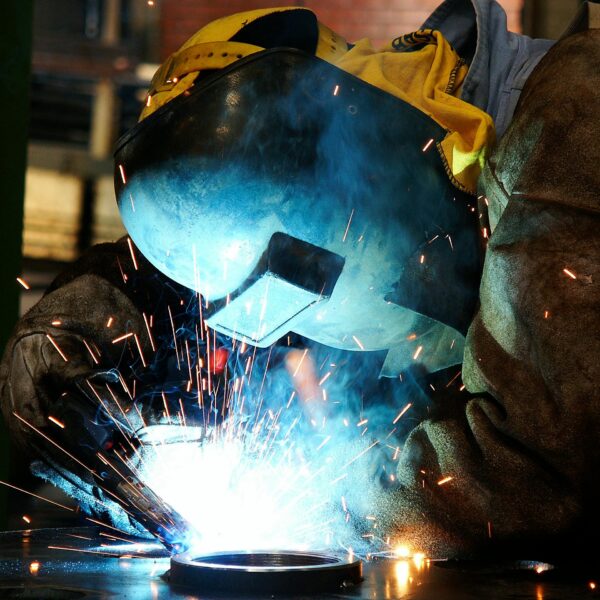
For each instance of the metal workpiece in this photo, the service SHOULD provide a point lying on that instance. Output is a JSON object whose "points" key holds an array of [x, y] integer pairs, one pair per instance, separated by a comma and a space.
{"points": [[80, 563], [265, 572]]}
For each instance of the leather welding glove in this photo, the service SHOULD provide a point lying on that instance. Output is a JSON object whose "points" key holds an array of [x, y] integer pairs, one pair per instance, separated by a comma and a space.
{"points": [[67, 336], [523, 455]]}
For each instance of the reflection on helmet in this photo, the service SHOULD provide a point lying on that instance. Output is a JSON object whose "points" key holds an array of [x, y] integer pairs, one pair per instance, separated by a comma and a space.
{"points": [[297, 197]]}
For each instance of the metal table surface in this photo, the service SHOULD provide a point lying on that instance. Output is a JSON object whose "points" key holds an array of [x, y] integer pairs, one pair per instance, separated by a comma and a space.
{"points": [[69, 563]]}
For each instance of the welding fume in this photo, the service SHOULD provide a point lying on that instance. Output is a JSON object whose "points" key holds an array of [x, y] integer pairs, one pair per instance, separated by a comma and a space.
{"points": [[356, 305]]}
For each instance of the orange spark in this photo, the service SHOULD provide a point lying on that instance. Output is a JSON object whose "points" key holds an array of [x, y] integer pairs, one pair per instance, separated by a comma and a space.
{"points": [[399, 415], [56, 421], [57, 347], [122, 337], [23, 283], [445, 480], [135, 265], [569, 273]]}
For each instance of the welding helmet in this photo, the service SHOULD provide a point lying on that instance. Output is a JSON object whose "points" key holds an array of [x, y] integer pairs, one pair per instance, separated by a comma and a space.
{"points": [[296, 197]]}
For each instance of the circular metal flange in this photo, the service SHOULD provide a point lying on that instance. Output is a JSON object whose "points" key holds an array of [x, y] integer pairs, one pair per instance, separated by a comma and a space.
{"points": [[266, 571]]}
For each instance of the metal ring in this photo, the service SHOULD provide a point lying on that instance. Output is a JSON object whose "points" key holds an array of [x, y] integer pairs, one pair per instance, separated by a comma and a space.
{"points": [[264, 571]]}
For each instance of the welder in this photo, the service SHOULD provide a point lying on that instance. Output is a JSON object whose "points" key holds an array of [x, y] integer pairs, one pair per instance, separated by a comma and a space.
{"points": [[305, 185]]}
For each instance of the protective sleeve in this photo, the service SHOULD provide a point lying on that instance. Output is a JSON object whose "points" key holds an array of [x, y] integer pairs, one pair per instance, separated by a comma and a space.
{"points": [[517, 466]]}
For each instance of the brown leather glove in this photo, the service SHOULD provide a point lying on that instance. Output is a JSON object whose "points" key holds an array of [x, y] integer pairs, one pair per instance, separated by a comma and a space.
{"points": [[524, 455]]}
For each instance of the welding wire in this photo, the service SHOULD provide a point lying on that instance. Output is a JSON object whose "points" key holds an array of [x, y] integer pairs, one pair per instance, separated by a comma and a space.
{"points": [[14, 487], [174, 336], [56, 445]]}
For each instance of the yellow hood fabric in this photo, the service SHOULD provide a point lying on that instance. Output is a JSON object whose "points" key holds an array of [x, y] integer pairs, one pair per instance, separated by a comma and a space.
{"points": [[420, 68], [424, 70]]}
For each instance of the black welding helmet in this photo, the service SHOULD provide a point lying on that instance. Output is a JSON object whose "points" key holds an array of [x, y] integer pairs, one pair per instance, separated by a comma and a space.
{"points": [[296, 197]]}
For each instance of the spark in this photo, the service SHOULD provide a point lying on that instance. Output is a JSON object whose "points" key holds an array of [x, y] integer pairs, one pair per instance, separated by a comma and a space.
{"points": [[56, 323], [363, 422], [91, 353], [34, 567], [23, 283], [300, 362], [323, 442], [546, 314], [139, 347], [122, 171], [56, 445], [109, 322], [401, 413], [26, 519], [53, 342], [422, 259], [348, 225], [336, 89], [56, 421], [325, 378], [445, 480], [129, 243], [358, 343], [360, 454], [569, 273], [418, 351], [427, 145], [18, 489], [122, 337]]}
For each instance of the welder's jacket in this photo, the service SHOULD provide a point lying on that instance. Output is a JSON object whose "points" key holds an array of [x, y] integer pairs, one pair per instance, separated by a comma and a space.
{"points": [[522, 450]]}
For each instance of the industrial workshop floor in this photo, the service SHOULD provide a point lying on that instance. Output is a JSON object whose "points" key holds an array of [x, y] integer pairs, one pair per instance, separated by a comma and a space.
{"points": [[70, 563]]}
